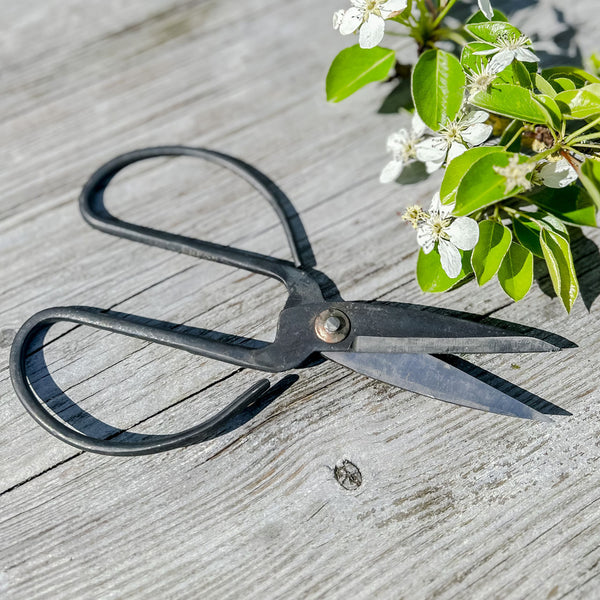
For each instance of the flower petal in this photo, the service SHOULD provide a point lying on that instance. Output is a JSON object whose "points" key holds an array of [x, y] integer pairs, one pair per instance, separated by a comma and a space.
{"points": [[397, 141], [425, 238], [463, 233], [351, 20], [557, 174], [456, 150], [371, 31], [391, 171], [338, 17], [418, 126], [432, 166], [451, 258], [433, 149], [436, 204], [475, 116], [486, 52], [502, 60], [526, 55], [486, 9], [477, 134], [394, 5]]}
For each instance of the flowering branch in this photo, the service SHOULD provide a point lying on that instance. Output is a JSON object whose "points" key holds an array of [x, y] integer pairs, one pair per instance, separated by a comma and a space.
{"points": [[520, 146]]}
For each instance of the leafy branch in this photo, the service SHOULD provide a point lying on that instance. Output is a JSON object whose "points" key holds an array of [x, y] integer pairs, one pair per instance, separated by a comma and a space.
{"points": [[520, 145]]}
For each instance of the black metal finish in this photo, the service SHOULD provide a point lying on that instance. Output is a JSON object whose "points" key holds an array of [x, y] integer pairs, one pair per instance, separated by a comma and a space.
{"points": [[369, 328], [301, 287]]}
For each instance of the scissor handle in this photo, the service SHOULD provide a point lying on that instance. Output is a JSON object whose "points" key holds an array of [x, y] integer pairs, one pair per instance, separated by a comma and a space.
{"points": [[300, 285], [150, 444], [302, 288]]}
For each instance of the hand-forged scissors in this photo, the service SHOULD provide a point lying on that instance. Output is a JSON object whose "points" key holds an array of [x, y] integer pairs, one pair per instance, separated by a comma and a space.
{"points": [[390, 343]]}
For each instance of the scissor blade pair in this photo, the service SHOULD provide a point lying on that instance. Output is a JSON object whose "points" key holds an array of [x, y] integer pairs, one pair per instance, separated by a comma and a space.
{"points": [[404, 328], [451, 345], [435, 378]]}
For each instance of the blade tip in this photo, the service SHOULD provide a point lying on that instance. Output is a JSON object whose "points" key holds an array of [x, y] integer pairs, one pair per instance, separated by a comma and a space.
{"points": [[542, 418]]}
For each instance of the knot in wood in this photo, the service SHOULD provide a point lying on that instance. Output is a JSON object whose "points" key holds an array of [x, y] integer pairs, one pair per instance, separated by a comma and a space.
{"points": [[348, 475]]}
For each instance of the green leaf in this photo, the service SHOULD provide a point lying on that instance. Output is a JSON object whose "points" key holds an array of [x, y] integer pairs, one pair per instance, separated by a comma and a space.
{"points": [[472, 61], [490, 31], [544, 86], [432, 278], [578, 76], [512, 101], [556, 116], [438, 83], [528, 234], [482, 186], [571, 204], [590, 177], [479, 17], [557, 252], [528, 227], [516, 74], [457, 168], [354, 67], [565, 84], [582, 103], [488, 254], [516, 272]]}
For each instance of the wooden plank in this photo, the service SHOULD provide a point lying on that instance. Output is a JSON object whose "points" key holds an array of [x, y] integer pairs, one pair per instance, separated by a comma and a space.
{"points": [[453, 503]]}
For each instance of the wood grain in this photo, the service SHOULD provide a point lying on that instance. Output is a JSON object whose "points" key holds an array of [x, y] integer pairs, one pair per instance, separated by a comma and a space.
{"points": [[453, 503]]}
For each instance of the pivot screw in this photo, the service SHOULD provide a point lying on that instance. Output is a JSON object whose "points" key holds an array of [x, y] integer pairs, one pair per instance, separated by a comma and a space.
{"points": [[332, 326]]}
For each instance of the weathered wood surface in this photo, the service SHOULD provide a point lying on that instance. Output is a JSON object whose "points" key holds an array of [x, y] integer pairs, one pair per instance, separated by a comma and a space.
{"points": [[453, 503]]}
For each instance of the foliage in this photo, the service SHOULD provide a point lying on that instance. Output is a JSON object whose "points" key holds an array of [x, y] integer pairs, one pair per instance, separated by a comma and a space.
{"points": [[538, 173]]}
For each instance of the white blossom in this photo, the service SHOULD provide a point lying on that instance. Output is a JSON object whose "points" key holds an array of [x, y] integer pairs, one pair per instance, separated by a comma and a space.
{"points": [[451, 234], [455, 138], [486, 8], [508, 48], [402, 144], [368, 17], [516, 174], [555, 173], [480, 79]]}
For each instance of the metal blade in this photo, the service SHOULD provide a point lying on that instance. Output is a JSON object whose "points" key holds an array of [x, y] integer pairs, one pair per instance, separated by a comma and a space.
{"points": [[431, 376], [447, 345], [404, 328]]}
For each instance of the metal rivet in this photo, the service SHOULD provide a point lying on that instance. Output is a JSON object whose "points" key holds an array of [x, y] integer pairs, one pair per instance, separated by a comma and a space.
{"points": [[332, 326]]}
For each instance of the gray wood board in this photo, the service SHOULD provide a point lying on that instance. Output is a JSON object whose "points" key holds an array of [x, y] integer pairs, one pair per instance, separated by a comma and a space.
{"points": [[453, 503]]}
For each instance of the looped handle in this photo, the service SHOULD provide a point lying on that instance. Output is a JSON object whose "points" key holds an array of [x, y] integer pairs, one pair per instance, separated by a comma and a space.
{"points": [[152, 443], [91, 203], [94, 212], [302, 288]]}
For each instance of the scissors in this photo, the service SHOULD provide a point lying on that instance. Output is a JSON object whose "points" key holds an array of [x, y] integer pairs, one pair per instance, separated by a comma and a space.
{"points": [[397, 344]]}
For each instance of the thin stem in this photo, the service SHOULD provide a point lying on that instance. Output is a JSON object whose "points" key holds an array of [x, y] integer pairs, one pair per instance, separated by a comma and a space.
{"points": [[585, 128], [592, 146], [422, 7], [514, 138], [545, 153], [584, 138], [443, 13]]}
